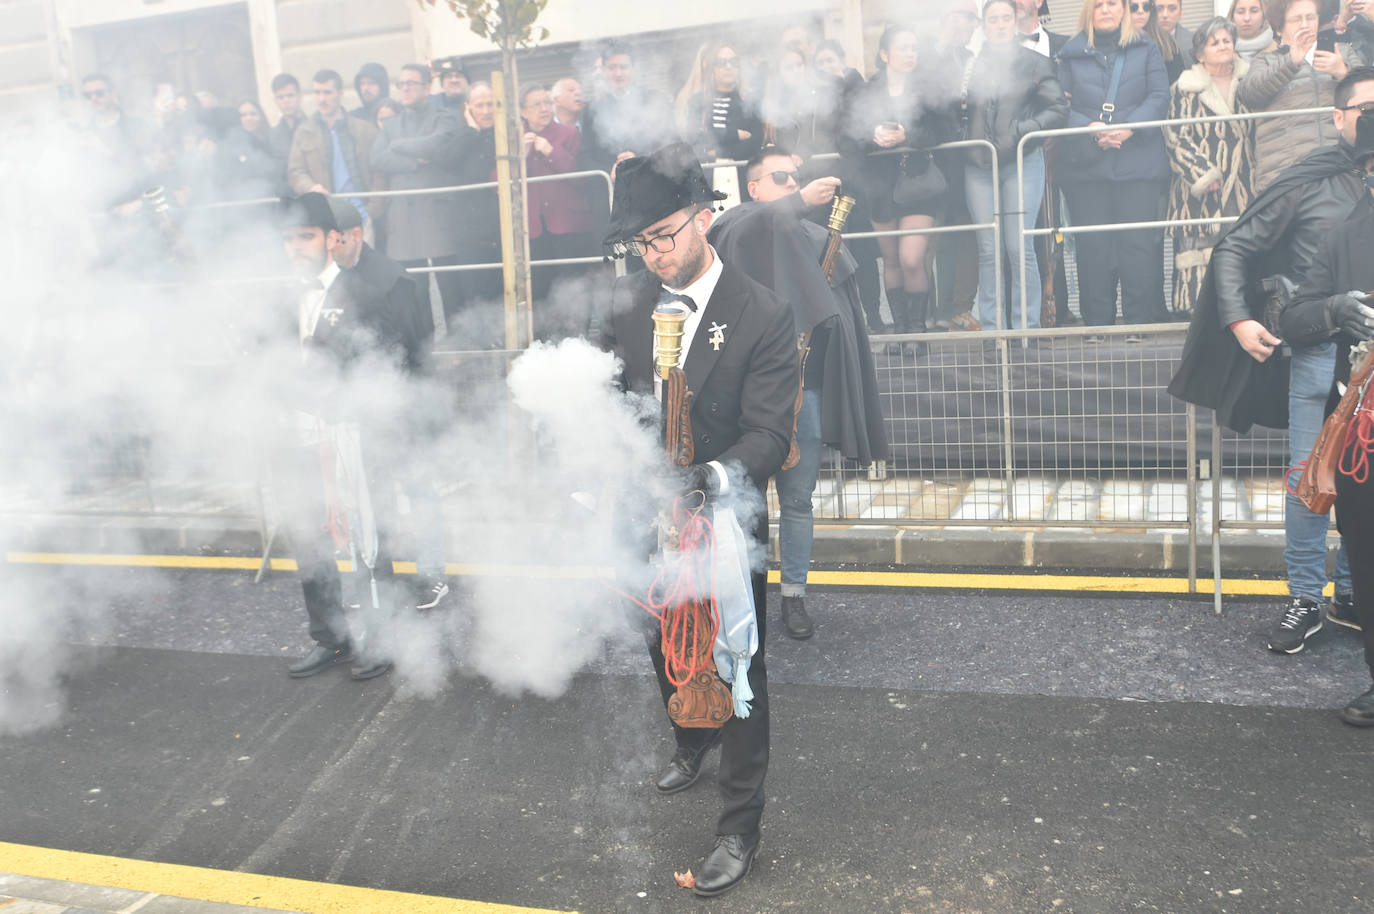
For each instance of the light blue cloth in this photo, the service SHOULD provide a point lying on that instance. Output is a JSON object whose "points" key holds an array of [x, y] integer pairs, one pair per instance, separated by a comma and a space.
{"points": [[738, 638]]}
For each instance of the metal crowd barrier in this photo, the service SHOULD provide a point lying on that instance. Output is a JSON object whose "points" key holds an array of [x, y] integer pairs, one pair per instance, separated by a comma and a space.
{"points": [[1000, 428], [1264, 504]]}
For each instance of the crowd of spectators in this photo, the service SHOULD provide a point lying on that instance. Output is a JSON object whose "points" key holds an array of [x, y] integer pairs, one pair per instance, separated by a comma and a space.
{"points": [[989, 72]]}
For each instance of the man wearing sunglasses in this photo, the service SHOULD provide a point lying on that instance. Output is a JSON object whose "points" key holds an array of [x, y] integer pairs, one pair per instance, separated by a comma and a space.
{"points": [[781, 248], [122, 139], [740, 359], [1229, 359]]}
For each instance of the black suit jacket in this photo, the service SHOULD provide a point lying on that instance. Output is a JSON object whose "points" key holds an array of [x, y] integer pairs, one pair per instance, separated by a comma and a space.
{"points": [[744, 400], [373, 306]]}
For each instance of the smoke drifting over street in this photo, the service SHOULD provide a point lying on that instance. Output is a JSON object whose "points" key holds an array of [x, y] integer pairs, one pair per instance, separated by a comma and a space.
{"points": [[126, 362]]}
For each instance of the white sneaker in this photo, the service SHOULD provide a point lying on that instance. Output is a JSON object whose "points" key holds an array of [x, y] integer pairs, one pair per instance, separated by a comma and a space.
{"points": [[431, 595]]}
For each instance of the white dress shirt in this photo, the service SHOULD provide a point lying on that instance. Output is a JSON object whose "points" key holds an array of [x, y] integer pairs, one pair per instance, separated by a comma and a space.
{"points": [[1041, 46], [312, 303], [311, 428]]}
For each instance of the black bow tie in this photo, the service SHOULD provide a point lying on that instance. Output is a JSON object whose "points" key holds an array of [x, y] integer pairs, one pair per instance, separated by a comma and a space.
{"points": [[667, 297], [1032, 38]]}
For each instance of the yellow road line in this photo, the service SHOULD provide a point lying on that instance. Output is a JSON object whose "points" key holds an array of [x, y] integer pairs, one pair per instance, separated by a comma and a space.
{"points": [[1026, 581], [228, 887]]}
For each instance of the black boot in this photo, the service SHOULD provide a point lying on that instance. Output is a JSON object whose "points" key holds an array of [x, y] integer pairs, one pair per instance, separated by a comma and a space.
{"points": [[917, 303], [899, 304], [874, 317]]}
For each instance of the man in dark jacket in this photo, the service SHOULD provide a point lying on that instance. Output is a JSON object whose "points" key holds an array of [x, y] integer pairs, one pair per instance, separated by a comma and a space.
{"points": [[399, 322], [740, 360], [1332, 307], [286, 91], [481, 325], [775, 243], [417, 149], [453, 85], [1273, 245], [373, 87]]}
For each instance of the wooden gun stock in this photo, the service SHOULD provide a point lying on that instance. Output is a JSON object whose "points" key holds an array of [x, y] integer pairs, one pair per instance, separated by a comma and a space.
{"points": [[677, 418]]}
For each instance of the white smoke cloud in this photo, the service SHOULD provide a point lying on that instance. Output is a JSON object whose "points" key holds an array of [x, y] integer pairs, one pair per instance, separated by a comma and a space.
{"points": [[125, 367]]}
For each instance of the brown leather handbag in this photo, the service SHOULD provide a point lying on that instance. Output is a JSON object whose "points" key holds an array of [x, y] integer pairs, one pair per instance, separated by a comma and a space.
{"points": [[1317, 487]]}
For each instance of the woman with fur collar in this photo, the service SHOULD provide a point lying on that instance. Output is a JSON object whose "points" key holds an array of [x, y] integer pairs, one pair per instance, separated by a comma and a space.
{"points": [[1211, 162]]}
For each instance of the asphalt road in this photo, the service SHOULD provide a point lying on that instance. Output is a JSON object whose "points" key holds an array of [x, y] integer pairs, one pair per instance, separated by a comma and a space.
{"points": [[966, 752]]}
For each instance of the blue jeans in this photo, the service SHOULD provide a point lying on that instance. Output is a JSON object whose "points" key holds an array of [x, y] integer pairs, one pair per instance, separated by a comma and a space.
{"points": [[795, 486], [978, 190], [1304, 551]]}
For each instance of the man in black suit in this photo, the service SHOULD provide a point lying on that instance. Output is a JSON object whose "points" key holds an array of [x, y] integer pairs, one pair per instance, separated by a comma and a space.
{"points": [[344, 318], [741, 366]]}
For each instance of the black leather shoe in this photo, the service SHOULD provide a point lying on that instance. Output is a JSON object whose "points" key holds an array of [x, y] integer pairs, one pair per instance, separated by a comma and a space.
{"points": [[369, 669], [795, 620], [682, 769], [318, 660], [1360, 711], [727, 864]]}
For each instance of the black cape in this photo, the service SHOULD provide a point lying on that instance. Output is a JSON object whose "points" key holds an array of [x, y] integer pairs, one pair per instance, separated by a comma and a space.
{"points": [[1215, 372], [778, 248]]}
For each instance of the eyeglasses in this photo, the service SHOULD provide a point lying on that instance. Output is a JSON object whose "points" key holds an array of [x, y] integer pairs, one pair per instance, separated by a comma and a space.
{"points": [[662, 244], [1364, 108], [781, 178], [730, 63], [409, 83], [95, 93], [1147, 7]]}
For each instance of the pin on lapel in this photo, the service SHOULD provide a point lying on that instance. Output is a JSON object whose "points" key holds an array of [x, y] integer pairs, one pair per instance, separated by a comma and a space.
{"points": [[717, 338]]}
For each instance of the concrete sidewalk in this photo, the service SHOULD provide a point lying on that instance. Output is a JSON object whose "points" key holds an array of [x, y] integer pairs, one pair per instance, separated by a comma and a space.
{"points": [[901, 521], [31, 895]]}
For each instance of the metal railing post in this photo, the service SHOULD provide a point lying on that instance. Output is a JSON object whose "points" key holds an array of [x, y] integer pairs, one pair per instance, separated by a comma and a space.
{"points": [[1191, 432], [1216, 514]]}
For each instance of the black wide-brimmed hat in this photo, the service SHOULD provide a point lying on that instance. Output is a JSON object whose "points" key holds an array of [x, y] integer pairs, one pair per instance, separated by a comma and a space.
{"points": [[648, 188], [309, 208]]}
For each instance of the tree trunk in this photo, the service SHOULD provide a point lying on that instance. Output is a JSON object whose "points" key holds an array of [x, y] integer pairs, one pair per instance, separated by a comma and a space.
{"points": [[510, 175]]}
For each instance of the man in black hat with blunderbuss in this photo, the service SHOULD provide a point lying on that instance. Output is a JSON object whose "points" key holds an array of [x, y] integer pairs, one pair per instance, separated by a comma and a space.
{"points": [[740, 362]]}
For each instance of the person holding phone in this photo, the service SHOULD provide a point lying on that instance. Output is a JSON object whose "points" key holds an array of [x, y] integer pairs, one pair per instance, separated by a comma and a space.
{"points": [[1296, 74]]}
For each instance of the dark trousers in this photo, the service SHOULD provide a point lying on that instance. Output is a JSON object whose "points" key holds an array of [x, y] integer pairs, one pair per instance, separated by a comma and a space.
{"points": [[561, 308], [298, 481], [1135, 257], [479, 322], [1355, 520], [743, 741]]}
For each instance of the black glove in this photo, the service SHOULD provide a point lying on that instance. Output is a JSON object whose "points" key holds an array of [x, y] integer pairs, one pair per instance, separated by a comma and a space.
{"points": [[701, 477], [1349, 314]]}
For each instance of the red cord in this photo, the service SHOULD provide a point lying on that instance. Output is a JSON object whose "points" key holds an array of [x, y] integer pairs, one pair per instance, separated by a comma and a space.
{"points": [[686, 611], [1359, 441]]}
